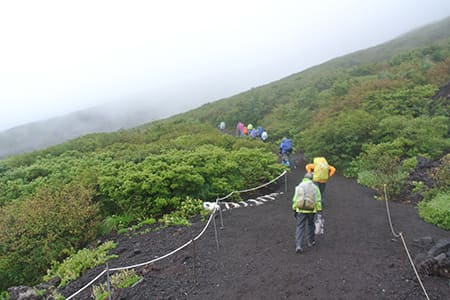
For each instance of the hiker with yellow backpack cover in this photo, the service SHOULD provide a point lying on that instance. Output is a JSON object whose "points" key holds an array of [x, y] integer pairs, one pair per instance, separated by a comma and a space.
{"points": [[322, 171]]}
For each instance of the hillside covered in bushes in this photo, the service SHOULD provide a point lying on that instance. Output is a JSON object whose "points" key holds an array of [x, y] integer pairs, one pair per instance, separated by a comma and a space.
{"points": [[373, 114]]}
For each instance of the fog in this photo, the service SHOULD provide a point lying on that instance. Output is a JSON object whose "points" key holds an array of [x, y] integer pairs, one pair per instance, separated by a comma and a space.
{"points": [[59, 56]]}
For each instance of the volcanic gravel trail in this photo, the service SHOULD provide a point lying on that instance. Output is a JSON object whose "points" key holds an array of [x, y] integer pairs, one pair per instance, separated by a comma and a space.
{"points": [[356, 258]]}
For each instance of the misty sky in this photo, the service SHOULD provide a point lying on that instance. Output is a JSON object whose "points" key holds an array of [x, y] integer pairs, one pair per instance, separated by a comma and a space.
{"points": [[61, 56]]}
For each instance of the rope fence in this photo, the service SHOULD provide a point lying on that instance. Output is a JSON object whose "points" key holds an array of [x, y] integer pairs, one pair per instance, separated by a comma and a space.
{"points": [[400, 235], [216, 208]]}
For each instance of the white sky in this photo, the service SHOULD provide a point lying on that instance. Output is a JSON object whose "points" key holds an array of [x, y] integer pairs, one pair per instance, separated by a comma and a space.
{"points": [[60, 56]]}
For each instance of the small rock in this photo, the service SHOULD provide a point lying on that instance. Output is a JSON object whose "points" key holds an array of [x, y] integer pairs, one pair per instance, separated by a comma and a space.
{"points": [[441, 246]]}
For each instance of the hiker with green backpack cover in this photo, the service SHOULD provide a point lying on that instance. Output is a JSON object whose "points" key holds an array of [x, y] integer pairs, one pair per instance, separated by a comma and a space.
{"points": [[306, 203]]}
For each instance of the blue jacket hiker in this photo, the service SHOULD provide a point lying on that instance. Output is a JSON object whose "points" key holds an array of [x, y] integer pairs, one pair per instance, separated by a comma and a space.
{"points": [[286, 146]]}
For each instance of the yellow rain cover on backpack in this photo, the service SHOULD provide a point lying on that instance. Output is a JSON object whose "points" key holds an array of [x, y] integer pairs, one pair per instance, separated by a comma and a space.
{"points": [[320, 169]]}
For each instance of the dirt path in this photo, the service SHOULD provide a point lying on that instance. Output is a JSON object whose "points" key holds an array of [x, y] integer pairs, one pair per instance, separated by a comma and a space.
{"points": [[356, 258]]}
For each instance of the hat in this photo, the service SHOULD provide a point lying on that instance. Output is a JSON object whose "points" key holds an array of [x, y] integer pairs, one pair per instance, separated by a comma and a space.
{"points": [[308, 175]]}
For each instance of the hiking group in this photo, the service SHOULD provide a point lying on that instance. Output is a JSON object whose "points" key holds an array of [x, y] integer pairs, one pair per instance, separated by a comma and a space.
{"points": [[251, 131], [308, 202]]}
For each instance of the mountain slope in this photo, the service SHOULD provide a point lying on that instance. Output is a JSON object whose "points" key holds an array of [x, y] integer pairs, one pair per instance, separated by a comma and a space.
{"points": [[42, 134], [373, 121], [105, 118]]}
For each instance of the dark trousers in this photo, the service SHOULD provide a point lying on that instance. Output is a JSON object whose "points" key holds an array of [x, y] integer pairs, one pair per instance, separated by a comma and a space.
{"points": [[304, 222], [321, 186]]}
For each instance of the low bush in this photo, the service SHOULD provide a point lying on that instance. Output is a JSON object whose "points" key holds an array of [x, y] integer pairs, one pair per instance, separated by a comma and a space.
{"points": [[72, 267], [437, 210], [119, 280], [44, 228], [180, 217]]}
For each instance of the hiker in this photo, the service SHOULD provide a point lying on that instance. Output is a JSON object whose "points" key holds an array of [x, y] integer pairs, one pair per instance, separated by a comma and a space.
{"points": [[306, 203], [322, 172], [264, 136], [286, 146], [239, 129], [245, 131], [254, 133], [285, 151], [222, 126], [260, 130]]}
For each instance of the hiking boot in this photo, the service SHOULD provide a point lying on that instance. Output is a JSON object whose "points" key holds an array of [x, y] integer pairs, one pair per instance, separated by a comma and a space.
{"points": [[311, 244], [299, 250]]}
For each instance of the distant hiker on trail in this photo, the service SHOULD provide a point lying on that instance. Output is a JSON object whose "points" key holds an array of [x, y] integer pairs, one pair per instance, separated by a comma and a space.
{"points": [[222, 126], [306, 203], [239, 129], [285, 151], [322, 172], [260, 130], [245, 131], [250, 127], [254, 133], [286, 146], [264, 136]]}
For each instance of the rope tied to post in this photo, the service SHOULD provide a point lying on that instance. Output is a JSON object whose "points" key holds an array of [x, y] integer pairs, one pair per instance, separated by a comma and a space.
{"points": [[400, 235]]}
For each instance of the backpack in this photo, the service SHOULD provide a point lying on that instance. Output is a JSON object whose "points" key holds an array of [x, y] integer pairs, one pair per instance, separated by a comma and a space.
{"points": [[288, 145], [306, 195], [260, 130], [320, 169]]}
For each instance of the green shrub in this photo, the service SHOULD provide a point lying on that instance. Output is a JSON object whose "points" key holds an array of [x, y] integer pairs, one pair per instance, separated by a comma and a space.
{"points": [[100, 292], [119, 280], [419, 187], [124, 278], [72, 267], [437, 210], [188, 209], [42, 229], [115, 223], [380, 165], [173, 219]]}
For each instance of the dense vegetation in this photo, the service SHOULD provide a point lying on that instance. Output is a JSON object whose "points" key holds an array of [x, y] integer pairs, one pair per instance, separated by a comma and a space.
{"points": [[370, 115], [57, 200]]}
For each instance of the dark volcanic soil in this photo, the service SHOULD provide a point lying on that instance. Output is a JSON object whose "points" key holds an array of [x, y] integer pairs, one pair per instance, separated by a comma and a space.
{"points": [[356, 258]]}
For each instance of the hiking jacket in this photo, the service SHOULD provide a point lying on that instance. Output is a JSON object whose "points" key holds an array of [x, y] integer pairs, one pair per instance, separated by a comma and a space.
{"points": [[285, 146], [317, 207], [331, 170]]}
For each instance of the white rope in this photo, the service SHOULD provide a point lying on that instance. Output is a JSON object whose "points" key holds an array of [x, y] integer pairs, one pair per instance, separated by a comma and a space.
{"points": [[86, 286], [252, 189], [263, 185], [148, 262], [170, 253], [179, 248], [404, 244]]}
